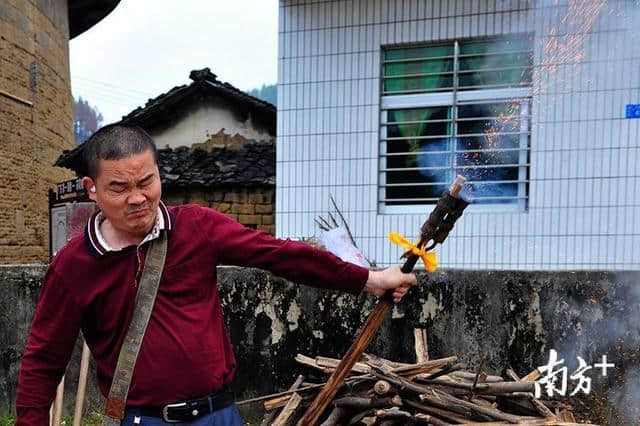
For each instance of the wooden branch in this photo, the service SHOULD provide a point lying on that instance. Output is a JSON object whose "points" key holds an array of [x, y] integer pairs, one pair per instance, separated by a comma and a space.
{"points": [[332, 363], [374, 360], [268, 418], [485, 356], [393, 414], [82, 384], [494, 413], [425, 366], [440, 412], [430, 420], [470, 376], [420, 344], [335, 416], [531, 377], [446, 370], [484, 388], [304, 388], [381, 387], [359, 403], [288, 410], [542, 409], [311, 362]]}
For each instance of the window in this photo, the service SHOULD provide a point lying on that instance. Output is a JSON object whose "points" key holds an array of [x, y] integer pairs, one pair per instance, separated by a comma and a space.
{"points": [[456, 108]]}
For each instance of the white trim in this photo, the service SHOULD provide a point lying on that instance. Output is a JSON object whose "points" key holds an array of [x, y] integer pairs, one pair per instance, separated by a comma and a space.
{"points": [[425, 209], [416, 101]]}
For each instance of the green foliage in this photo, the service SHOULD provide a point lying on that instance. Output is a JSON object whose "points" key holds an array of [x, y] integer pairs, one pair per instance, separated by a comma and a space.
{"points": [[7, 420], [86, 120], [267, 93]]}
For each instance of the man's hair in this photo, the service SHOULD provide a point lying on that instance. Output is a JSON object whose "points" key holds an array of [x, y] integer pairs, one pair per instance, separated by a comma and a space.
{"points": [[114, 142]]}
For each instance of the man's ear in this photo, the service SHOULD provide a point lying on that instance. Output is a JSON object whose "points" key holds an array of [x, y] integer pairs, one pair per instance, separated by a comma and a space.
{"points": [[90, 187]]}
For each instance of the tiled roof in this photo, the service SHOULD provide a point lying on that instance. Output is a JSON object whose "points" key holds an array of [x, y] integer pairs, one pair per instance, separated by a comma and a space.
{"points": [[204, 83], [255, 164], [252, 165]]}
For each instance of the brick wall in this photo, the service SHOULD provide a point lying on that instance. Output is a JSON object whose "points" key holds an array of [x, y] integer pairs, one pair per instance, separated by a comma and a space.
{"points": [[253, 207], [35, 122]]}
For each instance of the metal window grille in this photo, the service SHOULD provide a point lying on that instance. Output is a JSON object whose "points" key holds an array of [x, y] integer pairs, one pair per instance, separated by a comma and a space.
{"points": [[458, 108]]}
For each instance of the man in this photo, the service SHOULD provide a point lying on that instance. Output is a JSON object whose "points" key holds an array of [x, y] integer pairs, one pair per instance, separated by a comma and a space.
{"points": [[91, 286]]}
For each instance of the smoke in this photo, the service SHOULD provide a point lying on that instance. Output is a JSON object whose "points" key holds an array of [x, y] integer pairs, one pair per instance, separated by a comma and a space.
{"points": [[593, 325]]}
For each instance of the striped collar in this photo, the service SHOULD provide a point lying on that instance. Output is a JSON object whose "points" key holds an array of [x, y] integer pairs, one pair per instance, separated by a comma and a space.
{"points": [[98, 244]]}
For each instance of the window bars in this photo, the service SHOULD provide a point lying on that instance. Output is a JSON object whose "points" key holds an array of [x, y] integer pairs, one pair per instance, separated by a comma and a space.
{"points": [[457, 108]]}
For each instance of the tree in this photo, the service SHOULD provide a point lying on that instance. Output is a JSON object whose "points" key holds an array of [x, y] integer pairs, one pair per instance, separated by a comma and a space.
{"points": [[86, 120], [267, 93]]}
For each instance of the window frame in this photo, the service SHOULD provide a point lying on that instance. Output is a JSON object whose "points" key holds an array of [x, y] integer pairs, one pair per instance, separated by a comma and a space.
{"points": [[453, 99]]}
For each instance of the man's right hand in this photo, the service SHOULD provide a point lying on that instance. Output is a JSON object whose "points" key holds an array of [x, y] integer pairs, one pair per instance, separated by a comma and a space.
{"points": [[391, 278]]}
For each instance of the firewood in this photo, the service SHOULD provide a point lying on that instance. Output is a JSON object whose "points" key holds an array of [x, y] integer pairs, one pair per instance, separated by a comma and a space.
{"points": [[444, 371], [268, 418], [381, 387], [430, 420], [393, 414], [470, 376], [494, 413], [485, 356], [332, 363], [358, 403], [288, 410], [447, 393], [440, 412], [360, 416], [466, 412], [335, 416], [542, 409], [371, 359], [310, 362], [425, 366], [420, 343], [531, 377]]}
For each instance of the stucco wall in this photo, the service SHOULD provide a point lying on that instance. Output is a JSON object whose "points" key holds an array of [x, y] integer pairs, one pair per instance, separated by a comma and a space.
{"points": [[515, 316], [35, 121], [205, 120]]}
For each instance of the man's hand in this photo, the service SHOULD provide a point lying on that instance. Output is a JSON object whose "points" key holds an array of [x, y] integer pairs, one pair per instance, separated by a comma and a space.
{"points": [[391, 278]]}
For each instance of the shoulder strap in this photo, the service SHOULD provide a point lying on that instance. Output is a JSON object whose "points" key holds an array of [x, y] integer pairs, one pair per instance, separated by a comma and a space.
{"points": [[147, 290]]}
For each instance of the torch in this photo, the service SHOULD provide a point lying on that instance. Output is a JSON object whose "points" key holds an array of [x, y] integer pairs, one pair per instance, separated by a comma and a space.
{"points": [[434, 231]]}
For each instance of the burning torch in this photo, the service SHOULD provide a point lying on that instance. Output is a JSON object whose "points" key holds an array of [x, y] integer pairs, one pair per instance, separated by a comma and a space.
{"points": [[434, 231]]}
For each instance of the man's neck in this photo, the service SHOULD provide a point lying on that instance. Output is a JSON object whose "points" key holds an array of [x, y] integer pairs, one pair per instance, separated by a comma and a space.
{"points": [[117, 239]]}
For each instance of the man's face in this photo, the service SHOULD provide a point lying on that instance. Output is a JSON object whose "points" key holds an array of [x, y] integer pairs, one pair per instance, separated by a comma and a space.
{"points": [[128, 192]]}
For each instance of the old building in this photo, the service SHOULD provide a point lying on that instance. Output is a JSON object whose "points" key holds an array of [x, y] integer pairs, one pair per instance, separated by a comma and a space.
{"points": [[35, 114], [382, 102], [216, 148]]}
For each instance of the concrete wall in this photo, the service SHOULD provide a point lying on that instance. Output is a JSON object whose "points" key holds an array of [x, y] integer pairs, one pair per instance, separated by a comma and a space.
{"points": [[584, 189], [515, 316], [35, 121], [205, 120]]}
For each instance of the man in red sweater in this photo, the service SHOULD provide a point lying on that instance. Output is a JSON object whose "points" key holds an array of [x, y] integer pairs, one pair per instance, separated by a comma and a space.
{"points": [[186, 360]]}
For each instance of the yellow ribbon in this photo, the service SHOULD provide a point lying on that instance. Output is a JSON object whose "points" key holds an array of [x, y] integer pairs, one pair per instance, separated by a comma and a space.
{"points": [[428, 258]]}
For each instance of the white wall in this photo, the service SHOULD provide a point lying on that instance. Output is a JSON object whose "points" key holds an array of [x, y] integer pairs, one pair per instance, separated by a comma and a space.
{"points": [[204, 121], [584, 205]]}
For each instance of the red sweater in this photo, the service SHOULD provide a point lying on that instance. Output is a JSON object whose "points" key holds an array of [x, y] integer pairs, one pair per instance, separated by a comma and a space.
{"points": [[186, 351]]}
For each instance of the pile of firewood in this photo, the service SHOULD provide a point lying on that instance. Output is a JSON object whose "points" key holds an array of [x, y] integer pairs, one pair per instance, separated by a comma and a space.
{"points": [[437, 392]]}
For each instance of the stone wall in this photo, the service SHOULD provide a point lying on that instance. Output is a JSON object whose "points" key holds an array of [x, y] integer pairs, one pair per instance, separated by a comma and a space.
{"points": [[35, 121], [253, 207], [517, 317]]}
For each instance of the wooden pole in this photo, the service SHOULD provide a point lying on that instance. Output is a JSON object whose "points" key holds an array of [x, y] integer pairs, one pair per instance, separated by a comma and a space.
{"points": [[57, 404], [82, 384]]}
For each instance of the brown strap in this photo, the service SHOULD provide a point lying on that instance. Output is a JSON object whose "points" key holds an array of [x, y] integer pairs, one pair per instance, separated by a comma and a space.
{"points": [[147, 290]]}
